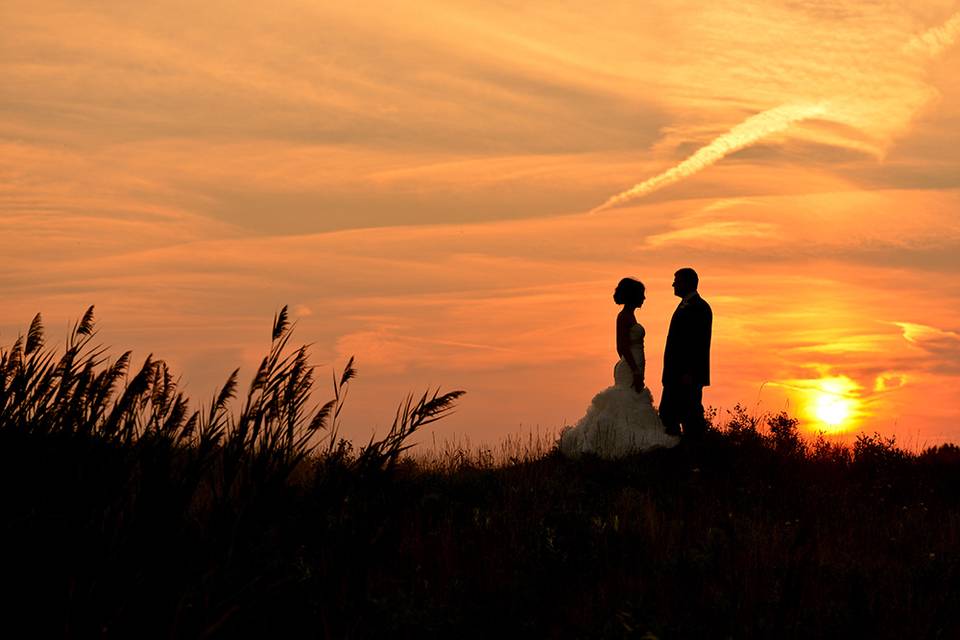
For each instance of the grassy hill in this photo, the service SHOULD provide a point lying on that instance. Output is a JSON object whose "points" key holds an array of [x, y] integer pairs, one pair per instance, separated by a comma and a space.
{"points": [[127, 514]]}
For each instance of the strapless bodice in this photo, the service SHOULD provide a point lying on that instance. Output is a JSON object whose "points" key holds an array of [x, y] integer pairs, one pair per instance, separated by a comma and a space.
{"points": [[622, 375]]}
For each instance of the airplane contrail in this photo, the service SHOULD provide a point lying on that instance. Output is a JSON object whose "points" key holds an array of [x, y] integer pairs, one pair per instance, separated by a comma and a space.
{"points": [[743, 135], [929, 44], [936, 40]]}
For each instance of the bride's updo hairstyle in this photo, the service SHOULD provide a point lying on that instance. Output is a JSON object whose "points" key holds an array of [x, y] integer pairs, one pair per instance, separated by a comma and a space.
{"points": [[629, 291]]}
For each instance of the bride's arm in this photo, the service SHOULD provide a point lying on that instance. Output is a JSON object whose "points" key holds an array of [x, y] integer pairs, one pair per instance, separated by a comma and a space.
{"points": [[624, 323]]}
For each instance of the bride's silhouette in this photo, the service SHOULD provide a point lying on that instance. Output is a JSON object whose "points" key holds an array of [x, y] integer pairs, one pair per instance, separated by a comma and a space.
{"points": [[621, 419]]}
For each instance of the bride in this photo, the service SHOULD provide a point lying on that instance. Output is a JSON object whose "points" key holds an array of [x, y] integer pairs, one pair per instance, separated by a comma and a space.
{"points": [[621, 419]]}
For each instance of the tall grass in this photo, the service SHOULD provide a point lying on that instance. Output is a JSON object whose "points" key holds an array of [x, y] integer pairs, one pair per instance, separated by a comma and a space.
{"points": [[118, 452], [79, 394]]}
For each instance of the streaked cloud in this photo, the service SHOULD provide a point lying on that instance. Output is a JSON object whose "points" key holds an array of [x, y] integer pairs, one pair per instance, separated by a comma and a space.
{"points": [[942, 348], [717, 233]]}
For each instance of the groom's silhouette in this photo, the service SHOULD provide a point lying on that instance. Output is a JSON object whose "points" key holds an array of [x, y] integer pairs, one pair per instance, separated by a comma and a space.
{"points": [[686, 359]]}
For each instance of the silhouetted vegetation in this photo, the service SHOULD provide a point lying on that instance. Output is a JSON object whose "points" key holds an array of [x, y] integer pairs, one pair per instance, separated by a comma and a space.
{"points": [[127, 513]]}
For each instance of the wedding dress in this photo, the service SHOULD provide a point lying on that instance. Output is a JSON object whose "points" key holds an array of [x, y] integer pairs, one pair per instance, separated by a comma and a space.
{"points": [[619, 421]]}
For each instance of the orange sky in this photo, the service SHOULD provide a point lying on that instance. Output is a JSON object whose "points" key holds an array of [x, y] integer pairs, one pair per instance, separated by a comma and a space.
{"points": [[416, 181]]}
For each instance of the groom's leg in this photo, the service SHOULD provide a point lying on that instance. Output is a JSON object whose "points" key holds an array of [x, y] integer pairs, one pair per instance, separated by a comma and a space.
{"points": [[694, 422], [670, 410], [682, 404]]}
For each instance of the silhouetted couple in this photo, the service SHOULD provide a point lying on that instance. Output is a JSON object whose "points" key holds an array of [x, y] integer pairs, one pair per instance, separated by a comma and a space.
{"points": [[622, 419]]}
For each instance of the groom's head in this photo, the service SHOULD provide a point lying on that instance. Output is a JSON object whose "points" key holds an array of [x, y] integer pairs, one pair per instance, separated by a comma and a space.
{"points": [[685, 281]]}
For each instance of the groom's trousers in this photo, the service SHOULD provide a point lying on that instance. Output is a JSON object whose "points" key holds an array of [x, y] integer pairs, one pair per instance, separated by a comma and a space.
{"points": [[682, 404]]}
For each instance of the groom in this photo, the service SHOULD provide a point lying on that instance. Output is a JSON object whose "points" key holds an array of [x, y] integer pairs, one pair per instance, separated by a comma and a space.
{"points": [[686, 359]]}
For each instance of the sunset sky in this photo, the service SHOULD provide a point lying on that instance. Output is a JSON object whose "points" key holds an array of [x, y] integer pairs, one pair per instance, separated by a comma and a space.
{"points": [[450, 190]]}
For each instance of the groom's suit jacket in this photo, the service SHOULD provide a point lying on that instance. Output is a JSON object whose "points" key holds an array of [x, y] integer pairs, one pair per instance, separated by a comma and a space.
{"points": [[688, 343]]}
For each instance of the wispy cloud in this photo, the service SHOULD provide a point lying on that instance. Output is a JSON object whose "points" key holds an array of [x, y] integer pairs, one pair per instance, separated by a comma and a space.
{"points": [[728, 233], [941, 347]]}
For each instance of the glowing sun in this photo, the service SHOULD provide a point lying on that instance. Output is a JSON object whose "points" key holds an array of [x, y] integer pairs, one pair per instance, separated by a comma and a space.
{"points": [[832, 404], [831, 409]]}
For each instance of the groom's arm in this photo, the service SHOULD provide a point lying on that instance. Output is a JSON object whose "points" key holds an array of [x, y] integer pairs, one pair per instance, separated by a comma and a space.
{"points": [[702, 338], [694, 346], [686, 355]]}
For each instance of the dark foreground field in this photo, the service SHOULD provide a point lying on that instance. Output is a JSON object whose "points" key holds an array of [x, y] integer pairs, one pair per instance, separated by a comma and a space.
{"points": [[127, 519]]}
